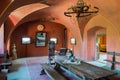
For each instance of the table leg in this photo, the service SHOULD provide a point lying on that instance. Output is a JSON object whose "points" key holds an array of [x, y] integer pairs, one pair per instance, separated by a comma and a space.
{"points": [[42, 72]]}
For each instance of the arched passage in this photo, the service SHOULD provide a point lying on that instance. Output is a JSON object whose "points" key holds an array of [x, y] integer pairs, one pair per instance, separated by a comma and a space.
{"points": [[93, 45], [98, 21]]}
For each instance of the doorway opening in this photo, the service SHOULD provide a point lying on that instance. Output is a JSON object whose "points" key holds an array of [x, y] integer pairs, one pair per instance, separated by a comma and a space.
{"points": [[101, 47]]}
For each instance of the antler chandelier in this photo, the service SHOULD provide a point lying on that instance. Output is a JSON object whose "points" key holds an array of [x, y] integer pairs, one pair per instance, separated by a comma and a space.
{"points": [[81, 9]]}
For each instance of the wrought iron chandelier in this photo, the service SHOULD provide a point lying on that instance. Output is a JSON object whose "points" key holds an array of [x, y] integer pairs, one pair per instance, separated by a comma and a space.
{"points": [[81, 9]]}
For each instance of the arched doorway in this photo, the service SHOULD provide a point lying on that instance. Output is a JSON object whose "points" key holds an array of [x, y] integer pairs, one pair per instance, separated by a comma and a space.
{"points": [[96, 43], [101, 47]]}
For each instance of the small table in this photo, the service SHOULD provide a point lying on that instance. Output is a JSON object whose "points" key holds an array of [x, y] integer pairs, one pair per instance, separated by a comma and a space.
{"points": [[5, 65], [88, 70]]}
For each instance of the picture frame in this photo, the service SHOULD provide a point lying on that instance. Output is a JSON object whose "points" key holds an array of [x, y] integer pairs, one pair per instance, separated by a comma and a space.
{"points": [[73, 41], [26, 40], [54, 40], [40, 39]]}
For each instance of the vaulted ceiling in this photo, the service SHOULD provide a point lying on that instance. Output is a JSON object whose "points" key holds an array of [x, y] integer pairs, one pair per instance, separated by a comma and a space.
{"points": [[51, 8], [22, 8], [21, 11]]}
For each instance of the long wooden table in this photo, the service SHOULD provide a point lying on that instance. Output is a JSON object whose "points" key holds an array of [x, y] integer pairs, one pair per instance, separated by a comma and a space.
{"points": [[88, 70]]}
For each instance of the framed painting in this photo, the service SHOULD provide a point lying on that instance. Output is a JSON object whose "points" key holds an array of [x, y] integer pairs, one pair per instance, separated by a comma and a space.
{"points": [[73, 41], [40, 39], [26, 40], [54, 40]]}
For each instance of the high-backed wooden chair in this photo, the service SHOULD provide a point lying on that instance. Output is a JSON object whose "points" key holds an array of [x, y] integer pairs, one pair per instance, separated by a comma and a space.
{"points": [[51, 51], [62, 51]]}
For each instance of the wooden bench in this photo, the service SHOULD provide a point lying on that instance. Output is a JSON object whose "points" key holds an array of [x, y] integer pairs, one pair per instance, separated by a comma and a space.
{"points": [[113, 60], [51, 72]]}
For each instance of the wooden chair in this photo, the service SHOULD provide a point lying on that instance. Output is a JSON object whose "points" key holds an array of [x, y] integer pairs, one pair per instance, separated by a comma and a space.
{"points": [[62, 51], [113, 60], [51, 51]]}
